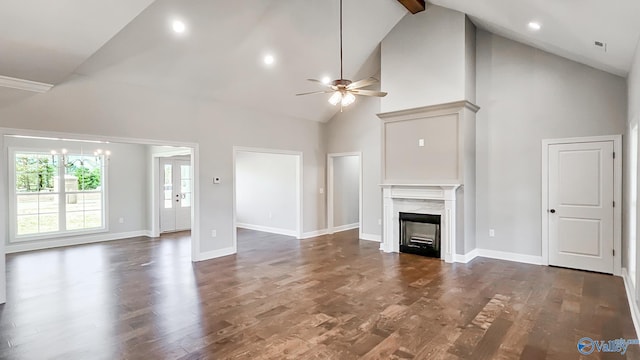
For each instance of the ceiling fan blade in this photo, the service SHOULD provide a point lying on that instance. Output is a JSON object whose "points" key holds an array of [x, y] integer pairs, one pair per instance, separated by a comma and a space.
{"points": [[321, 83], [362, 83], [315, 92], [369, 93]]}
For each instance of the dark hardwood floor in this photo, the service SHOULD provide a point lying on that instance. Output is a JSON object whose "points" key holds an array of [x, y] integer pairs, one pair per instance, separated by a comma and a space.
{"points": [[331, 297]]}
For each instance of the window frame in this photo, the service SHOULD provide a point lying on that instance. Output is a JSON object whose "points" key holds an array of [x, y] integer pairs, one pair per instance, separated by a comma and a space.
{"points": [[62, 194]]}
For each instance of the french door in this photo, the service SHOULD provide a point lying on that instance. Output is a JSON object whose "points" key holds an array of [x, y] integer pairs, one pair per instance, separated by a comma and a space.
{"points": [[175, 194]]}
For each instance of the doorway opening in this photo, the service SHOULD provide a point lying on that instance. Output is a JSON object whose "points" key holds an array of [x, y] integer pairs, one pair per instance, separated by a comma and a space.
{"points": [[267, 191], [128, 186], [344, 192]]}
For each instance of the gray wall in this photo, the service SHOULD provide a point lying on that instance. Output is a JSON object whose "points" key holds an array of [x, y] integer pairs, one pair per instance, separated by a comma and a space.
{"points": [[127, 180], [436, 162], [346, 190], [359, 129], [87, 105], [527, 95], [470, 60], [424, 61], [266, 186]]}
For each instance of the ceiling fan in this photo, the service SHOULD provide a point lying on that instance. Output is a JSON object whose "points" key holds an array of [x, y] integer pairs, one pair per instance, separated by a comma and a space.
{"points": [[343, 91]]}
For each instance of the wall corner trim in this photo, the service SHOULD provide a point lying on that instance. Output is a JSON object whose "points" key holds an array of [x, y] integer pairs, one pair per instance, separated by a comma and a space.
{"points": [[312, 234], [272, 230], [71, 241], [215, 254], [26, 85], [509, 256], [466, 257], [371, 237], [633, 305]]}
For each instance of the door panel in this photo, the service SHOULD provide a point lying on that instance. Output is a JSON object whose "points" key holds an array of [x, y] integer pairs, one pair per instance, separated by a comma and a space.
{"points": [[581, 206], [167, 203], [183, 207], [175, 194]]}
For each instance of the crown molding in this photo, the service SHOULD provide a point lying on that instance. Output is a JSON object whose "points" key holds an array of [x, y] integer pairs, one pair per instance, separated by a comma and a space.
{"points": [[26, 85], [451, 106]]}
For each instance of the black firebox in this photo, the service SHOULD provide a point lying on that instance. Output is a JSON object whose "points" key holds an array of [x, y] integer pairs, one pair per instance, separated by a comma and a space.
{"points": [[420, 234]]}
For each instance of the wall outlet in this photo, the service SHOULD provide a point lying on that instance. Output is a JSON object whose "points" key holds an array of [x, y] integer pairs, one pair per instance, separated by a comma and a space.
{"points": [[121, 220], [214, 233], [321, 190], [216, 180], [379, 221], [492, 233], [421, 142]]}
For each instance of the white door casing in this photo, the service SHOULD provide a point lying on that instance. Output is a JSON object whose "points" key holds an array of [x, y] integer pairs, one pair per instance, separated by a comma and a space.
{"points": [[176, 194], [299, 187], [580, 209], [331, 189]]}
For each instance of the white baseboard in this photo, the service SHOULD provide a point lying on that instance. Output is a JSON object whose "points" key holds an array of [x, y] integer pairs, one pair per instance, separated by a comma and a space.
{"points": [[633, 305], [371, 237], [509, 256], [466, 257], [345, 227], [316, 233], [78, 240], [215, 254], [268, 229]]}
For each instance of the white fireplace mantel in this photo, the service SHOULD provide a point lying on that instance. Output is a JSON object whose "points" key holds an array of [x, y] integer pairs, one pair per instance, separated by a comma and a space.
{"points": [[433, 199]]}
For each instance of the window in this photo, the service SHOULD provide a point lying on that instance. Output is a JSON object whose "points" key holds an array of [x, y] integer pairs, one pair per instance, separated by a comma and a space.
{"points": [[57, 194]]}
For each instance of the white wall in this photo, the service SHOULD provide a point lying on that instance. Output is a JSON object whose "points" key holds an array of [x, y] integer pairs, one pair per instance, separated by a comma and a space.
{"points": [[527, 95], [633, 83], [266, 186], [126, 187], [87, 105], [346, 190], [424, 61], [4, 216]]}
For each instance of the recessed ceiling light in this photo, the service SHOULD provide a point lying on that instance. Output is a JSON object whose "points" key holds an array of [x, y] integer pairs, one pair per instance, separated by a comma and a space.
{"points": [[534, 26], [326, 80], [178, 26], [269, 59]]}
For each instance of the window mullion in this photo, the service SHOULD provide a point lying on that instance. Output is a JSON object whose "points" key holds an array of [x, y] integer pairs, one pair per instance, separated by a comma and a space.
{"points": [[62, 202]]}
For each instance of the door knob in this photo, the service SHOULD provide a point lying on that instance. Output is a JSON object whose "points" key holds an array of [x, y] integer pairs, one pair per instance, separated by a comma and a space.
{"points": [[553, 211]]}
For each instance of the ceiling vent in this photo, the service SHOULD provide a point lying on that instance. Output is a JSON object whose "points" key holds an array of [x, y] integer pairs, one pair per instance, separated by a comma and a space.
{"points": [[602, 46]]}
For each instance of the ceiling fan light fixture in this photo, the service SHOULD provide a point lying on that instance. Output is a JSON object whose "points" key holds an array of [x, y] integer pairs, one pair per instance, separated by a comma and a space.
{"points": [[344, 91], [335, 98], [348, 99]]}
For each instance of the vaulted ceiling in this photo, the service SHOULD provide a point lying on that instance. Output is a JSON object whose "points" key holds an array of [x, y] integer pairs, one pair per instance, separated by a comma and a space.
{"points": [[220, 55]]}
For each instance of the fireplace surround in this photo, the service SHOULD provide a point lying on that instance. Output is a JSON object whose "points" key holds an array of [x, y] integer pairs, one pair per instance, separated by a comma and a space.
{"points": [[435, 199]]}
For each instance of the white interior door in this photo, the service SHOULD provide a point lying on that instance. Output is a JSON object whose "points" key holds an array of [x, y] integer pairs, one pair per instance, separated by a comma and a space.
{"points": [[175, 194], [581, 209]]}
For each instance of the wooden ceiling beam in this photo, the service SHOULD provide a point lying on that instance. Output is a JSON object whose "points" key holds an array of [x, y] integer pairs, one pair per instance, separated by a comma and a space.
{"points": [[414, 6]]}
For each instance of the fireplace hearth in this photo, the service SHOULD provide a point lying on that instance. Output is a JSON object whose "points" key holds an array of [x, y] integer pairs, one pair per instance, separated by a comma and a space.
{"points": [[420, 234]]}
